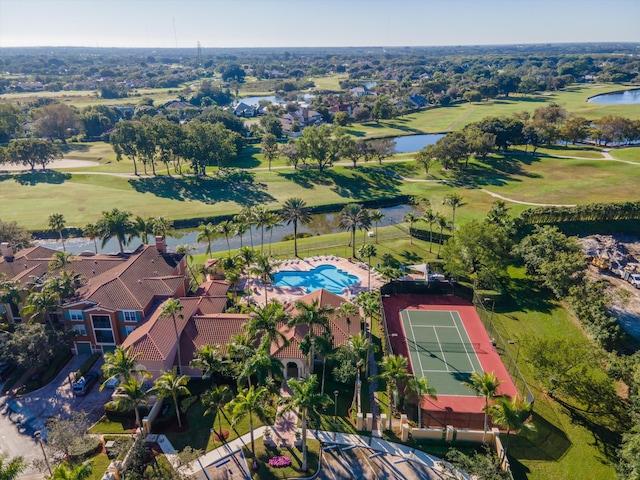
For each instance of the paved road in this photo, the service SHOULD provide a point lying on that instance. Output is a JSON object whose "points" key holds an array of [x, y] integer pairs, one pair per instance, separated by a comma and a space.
{"points": [[20, 417]]}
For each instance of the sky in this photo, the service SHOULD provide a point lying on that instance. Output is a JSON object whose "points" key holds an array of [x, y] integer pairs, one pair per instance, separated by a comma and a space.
{"points": [[302, 23]]}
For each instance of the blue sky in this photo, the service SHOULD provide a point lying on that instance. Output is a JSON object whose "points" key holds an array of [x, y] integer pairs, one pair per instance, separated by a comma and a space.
{"points": [[285, 23]]}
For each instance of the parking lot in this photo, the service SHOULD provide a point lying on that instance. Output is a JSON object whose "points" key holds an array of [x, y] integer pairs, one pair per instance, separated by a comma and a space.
{"points": [[341, 461]]}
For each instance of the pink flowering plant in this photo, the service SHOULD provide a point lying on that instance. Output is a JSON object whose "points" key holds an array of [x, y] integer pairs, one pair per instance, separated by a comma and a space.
{"points": [[280, 462]]}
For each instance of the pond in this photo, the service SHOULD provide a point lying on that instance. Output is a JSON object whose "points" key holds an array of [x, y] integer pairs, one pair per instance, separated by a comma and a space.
{"points": [[321, 224], [628, 97], [303, 97], [413, 143]]}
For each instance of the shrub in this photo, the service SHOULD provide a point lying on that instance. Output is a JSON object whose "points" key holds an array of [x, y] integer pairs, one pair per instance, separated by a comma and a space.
{"points": [[85, 449], [88, 363], [187, 402], [280, 462]]}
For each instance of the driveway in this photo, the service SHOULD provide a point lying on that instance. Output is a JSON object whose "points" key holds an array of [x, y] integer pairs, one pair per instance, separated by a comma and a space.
{"points": [[22, 416]]}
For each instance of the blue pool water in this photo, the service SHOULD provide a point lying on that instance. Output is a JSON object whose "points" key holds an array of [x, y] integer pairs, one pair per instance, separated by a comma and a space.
{"points": [[324, 276]]}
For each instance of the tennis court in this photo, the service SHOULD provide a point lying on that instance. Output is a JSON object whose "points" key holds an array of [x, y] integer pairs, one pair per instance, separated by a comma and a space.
{"points": [[440, 349]]}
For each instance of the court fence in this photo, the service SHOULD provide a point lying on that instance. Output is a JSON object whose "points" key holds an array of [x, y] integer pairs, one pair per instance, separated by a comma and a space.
{"points": [[486, 316]]}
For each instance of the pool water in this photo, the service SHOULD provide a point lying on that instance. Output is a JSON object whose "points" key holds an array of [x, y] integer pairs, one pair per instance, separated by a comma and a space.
{"points": [[324, 276]]}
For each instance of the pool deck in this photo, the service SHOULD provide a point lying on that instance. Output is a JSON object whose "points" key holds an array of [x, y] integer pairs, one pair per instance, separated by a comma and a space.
{"points": [[291, 294]]}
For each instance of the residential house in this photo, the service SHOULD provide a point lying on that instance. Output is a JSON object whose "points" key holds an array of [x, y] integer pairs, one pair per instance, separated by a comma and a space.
{"points": [[362, 91], [244, 110], [417, 101], [117, 292]]}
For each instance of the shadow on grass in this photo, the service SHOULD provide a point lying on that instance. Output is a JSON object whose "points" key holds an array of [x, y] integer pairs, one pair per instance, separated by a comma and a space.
{"points": [[37, 176], [547, 442], [238, 187], [525, 294], [74, 147]]}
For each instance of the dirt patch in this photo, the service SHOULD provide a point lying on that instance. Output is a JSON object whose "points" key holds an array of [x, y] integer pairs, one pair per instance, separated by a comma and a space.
{"points": [[617, 253], [221, 436]]}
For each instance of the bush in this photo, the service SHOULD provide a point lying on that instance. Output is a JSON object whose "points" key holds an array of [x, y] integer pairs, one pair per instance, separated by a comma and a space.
{"points": [[85, 449], [88, 363], [187, 402]]}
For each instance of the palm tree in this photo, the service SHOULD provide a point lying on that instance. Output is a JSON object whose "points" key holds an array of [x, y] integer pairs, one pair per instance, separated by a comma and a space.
{"points": [[246, 256], [161, 226], [312, 314], [10, 292], [295, 210], [170, 384], [209, 359], [91, 231], [263, 269], [453, 200], [121, 364], [226, 228], [376, 217], [172, 309], [430, 217], [60, 261], [132, 394], [266, 320], [323, 345], [115, 223], [240, 225], [9, 470], [359, 345], [66, 471], [352, 217], [442, 224], [420, 387], [347, 310], [207, 233], [485, 385], [367, 250], [272, 223], [306, 402], [512, 414], [57, 223], [268, 370], [40, 304], [394, 369], [247, 215], [143, 227], [411, 218], [249, 402], [215, 399], [261, 217]]}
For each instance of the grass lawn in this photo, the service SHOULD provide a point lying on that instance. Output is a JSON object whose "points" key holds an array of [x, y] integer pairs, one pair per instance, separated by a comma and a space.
{"points": [[631, 154], [583, 151], [565, 444], [114, 424], [329, 82], [100, 464], [263, 454]]}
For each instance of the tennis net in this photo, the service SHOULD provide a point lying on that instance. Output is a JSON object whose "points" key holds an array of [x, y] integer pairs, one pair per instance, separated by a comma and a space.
{"points": [[437, 347]]}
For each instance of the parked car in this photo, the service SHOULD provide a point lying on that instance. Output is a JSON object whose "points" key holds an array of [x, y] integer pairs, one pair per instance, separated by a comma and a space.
{"points": [[84, 384], [112, 383]]}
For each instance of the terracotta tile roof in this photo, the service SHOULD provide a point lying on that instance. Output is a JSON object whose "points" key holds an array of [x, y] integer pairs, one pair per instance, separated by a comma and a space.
{"points": [[215, 329], [214, 288]]}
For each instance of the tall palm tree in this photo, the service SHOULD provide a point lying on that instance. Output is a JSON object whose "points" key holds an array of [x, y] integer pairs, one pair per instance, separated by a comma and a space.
{"points": [[57, 223], [122, 364], [170, 384], [512, 414], [215, 399], [353, 217], [420, 387], [143, 227], [249, 402], [348, 310], [240, 348], [66, 471], [306, 401], [485, 385], [359, 346], [453, 200], [91, 232], [266, 321], [173, 309], [246, 256], [207, 233], [263, 269], [161, 226], [430, 218], [132, 395], [10, 292], [367, 250], [394, 369], [261, 216], [116, 223], [260, 364], [376, 217], [210, 360], [312, 314], [442, 224], [60, 261], [41, 304], [226, 229], [241, 226], [323, 345], [411, 218], [247, 215], [272, 222], [10, 469], [295, 210]]}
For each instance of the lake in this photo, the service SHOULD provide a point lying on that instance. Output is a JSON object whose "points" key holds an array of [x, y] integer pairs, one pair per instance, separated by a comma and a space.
{"points": [[321, 224], [628, 97], [413, 143]]}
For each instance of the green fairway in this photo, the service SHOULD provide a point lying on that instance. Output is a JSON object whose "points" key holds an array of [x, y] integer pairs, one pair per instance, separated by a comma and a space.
{"points": [[630, 154]]}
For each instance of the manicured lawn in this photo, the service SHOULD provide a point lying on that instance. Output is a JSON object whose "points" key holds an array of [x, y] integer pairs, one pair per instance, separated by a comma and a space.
{"points": [[582, 151], [263, 454], [631, 154], [329, 82], [110, 424], [100, 464], [565, 444]]}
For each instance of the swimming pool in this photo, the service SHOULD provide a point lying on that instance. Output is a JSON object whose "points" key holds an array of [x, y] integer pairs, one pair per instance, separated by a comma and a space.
{"points": [[324, 276]]}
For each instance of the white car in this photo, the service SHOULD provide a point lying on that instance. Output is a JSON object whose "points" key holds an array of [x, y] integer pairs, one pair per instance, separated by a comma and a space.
{"points": [[112, 383]]}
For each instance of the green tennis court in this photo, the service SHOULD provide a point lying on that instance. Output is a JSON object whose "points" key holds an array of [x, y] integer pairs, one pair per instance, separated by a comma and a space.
{"points": [[440, 349]]}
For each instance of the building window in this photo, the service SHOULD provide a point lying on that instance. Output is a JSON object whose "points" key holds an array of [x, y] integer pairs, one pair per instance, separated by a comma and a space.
{"points": [[76, 315], [80, 330], [128, 330], [130, 316], [102, 329]]}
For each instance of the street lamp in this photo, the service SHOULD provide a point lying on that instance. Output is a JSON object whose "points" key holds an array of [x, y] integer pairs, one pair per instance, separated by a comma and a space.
{"points": [[335, 409], [38, 435]]}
